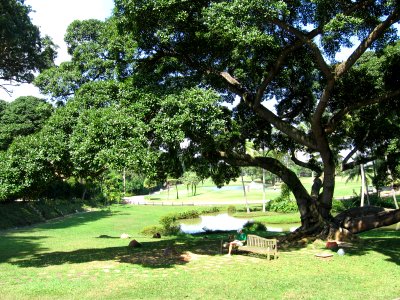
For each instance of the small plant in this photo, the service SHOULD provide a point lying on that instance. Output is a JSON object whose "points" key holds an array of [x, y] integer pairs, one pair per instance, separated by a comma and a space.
{"points": [[152, 230], [255, 226], [283, 206], [345, 204], [231, 209]]}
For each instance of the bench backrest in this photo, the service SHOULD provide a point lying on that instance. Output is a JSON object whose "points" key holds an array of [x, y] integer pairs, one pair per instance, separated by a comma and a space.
{"points": [[257, 241]]}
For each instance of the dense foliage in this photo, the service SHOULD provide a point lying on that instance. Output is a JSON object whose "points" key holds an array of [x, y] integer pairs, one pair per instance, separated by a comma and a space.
{"points": [[22, 117], [22, 50]]}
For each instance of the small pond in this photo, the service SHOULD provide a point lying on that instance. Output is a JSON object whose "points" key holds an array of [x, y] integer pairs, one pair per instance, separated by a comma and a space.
{"points": [[225, 222]]}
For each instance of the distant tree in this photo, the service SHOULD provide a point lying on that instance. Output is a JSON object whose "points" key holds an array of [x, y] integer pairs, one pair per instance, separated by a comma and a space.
{"points": [[191, 179], [25, 170], [95, 48], [23, 116], [22, 50]]}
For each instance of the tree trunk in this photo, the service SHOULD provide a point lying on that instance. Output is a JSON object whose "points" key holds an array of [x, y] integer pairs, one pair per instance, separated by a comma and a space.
{"points": [[362, 185], [245, 196], [365, 222], [316, 219], [124, 181], [263, 182], [392, 185]]}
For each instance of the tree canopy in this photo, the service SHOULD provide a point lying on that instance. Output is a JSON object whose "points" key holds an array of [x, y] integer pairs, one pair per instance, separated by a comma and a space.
{"points": [[22, 50], [22, 117], [282, 51]]}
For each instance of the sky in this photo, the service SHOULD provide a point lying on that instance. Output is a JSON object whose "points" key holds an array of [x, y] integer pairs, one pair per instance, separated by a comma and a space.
{"points": [[53, 17]]}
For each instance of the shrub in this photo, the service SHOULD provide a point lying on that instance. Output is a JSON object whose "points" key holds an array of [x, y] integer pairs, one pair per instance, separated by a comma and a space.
{"points": [[152, 230], [190, 214], [382, 202], [285, 206], [214, 209], [255, 226], [231, 209], [345, 204]]}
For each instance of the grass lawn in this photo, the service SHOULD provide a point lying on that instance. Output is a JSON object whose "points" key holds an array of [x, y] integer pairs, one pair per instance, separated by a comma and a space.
{"points": [[208, 192], [82, 257]]}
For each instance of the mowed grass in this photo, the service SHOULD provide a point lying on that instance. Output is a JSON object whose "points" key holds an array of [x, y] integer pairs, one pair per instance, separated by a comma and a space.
{"points": [[82, 257], [207, 192]]}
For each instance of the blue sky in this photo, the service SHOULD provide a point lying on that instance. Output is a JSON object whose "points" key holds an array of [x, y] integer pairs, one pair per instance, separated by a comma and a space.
{"points": [[53, 18]]}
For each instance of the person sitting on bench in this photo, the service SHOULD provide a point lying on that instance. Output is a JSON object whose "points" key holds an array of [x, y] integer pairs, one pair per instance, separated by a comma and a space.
{"points": [[240, 240]]}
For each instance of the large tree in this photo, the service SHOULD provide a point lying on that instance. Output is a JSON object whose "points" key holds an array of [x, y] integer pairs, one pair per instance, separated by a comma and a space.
{"points": [[22, 117], [283, 52], [22, 50], [97, 54]]}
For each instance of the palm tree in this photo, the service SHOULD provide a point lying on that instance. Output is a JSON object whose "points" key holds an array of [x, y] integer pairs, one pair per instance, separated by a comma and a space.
{"points": [[365, 173]]}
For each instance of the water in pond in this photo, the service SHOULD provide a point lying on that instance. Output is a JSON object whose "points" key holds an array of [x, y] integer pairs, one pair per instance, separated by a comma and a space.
{"points": [[219, 222], [225, 222]]}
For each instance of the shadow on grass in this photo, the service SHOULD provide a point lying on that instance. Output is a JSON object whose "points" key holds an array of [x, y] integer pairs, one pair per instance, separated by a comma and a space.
{"points": [[386, 242], [383, 241], [154, 254], [169, 253], [19, 247]]}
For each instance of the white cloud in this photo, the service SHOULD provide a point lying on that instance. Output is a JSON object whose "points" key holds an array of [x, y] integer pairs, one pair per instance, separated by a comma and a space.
{"points": [[53, 18]]}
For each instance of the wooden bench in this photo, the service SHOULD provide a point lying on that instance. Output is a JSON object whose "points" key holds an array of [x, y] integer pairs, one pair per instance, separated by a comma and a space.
{"points": [[257, 244]]}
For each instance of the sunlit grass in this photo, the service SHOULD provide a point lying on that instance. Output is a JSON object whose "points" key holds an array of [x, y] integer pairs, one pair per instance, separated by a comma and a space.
{"points": [[207, 192], [82, 257]]}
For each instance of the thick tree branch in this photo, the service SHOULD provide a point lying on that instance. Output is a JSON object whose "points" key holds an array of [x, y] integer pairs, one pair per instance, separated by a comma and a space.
{"points": [[357, 162], [281, 59], [337, 117], [303, 198], [306, 38], [367, 42], [303, 38], [349, 155], [308, 165], [322, 104], [364, 160], [294, 133], [233, 84], [366, 218], [266, 114]]}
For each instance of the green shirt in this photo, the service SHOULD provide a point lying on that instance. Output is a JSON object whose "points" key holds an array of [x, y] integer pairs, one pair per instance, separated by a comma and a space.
{"points": [[241, 236]]}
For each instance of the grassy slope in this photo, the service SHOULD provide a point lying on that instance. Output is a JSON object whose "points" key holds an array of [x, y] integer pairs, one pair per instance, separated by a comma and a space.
{"points": [[67, 259]]}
